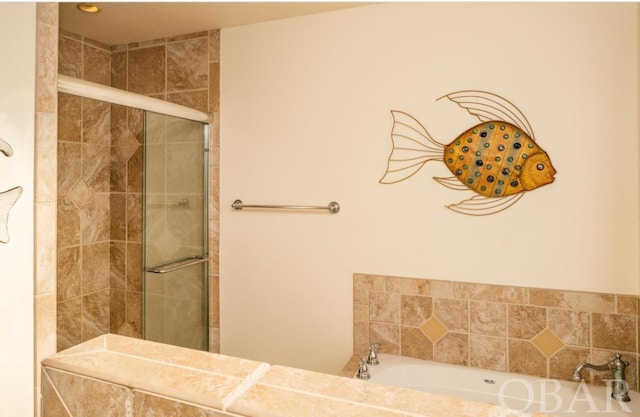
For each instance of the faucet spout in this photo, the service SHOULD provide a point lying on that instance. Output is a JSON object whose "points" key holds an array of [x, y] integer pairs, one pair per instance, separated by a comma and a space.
{"points": [[617, 368], [576, 375]]}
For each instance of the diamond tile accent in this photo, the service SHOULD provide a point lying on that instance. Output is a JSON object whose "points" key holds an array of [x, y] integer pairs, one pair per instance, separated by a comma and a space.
{"points": [[80, 193], [548, 343], [126, 145], [433, 329]]}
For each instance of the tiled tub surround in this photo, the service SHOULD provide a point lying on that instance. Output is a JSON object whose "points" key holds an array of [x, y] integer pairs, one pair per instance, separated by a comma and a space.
{"points": [[119, 376], [530, 331]]}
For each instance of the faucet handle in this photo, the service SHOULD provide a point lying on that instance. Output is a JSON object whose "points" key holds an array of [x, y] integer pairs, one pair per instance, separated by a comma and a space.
{"points": [[618, 362], [363, 371], [372, 359]]}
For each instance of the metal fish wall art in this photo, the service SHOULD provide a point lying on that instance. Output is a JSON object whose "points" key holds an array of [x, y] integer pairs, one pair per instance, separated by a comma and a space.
{"points": [[7, 198], [498, 159]]}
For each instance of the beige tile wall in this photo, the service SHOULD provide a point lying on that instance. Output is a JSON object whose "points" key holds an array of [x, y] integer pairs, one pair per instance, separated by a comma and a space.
{"points": [[530, 331], [100, 177]]}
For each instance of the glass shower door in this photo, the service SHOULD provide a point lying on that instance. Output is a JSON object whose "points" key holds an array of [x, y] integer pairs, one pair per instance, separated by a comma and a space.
{"points": [[175, 239]]}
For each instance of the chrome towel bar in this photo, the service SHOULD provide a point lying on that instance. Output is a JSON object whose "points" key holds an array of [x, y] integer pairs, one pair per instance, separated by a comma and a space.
{"points": [[193, 260], [333, 206]]}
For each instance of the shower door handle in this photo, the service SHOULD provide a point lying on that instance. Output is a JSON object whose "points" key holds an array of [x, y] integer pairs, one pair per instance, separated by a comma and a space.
{"points": [[162, 268]]}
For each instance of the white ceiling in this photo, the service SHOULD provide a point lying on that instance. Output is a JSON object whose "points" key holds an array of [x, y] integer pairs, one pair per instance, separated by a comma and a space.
{"points": [[120, 23]]}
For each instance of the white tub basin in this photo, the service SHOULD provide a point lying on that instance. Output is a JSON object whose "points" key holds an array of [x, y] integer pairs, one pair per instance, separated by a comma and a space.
{"points": [[519, 392]]}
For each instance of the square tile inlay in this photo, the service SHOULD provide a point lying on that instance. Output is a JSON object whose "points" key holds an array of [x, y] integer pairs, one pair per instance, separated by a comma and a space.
{"points": [[433, 329], [547, 342], [80, 193]]}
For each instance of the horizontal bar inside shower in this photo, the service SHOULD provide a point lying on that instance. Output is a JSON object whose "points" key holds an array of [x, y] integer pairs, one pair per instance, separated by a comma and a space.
{"points": [[165, 267], [82, 88], [333, 206], [180, 203]]}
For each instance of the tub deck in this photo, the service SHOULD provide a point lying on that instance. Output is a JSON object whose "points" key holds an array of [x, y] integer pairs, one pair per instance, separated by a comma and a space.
{"points": [[132, 377]]}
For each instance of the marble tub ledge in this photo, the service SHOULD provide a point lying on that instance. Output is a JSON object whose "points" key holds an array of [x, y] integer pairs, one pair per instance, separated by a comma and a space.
{"points": [[133, 378]]}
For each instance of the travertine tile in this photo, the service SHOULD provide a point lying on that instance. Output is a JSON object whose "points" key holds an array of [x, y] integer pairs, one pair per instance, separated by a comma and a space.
{"points": [[415, 309], [614, 331], [118, 213], [47, 13], [68, 223], [96, 124], [488, 318], [485, 292], [486, 352], [134, 312], [134, 266], [524, 358], [134, 215], [549, 321], [69, 282], [69, 169], [195, 99], [626, 304], [362, 282], [69, 118], [117, 311], [388, 335], [360, 338], [88, 397], [95, 314], [45, 322], [146, 70], [187, 36], [118, 173], [414, 344], [214, 87], [46, 164], [214, 45], [214, 301], [384, 307], [572, 300], [119, 69], [526, 321], [96, 164], [407, 286], [47, 66], [69, 323], [187, 64], [96, 65], [146, 404], [452, 348], [285, 403], [454, 314], [572, 327], [95, 219], [52, 405], [69, 56], [95, 267]]}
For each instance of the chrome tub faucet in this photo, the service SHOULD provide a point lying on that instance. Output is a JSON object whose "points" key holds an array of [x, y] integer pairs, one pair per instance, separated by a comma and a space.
{"points": [[363, 370], [370, 359], [617, 367]]}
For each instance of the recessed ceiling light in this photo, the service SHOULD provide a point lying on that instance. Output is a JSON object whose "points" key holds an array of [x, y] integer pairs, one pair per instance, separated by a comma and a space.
{"points": [[88, 7]]}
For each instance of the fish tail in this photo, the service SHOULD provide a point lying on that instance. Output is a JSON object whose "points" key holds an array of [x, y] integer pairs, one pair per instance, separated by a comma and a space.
{"points": [[413, 147]]}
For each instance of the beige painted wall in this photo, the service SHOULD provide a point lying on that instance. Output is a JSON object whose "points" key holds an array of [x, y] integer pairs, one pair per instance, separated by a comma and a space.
{"points": [[17, 110], [305, 119]]}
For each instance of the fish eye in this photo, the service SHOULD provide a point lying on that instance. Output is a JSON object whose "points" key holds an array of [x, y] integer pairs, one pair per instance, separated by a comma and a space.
{"points": [[540, 167]]}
